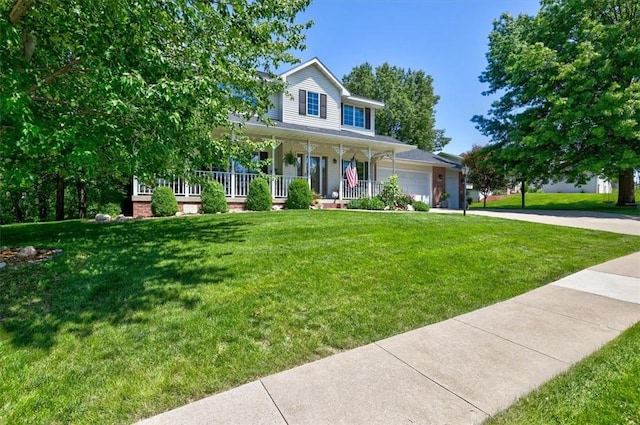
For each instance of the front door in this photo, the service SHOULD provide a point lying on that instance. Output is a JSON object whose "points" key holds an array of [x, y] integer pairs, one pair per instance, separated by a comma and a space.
{"points": [[318, 173]]}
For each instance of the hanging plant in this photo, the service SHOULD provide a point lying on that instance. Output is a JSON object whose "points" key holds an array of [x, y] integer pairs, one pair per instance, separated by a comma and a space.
{"points": [[290, 158]]}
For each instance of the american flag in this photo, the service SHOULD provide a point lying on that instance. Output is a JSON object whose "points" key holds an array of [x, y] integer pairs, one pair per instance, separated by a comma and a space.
{"points": [[352, 173]]}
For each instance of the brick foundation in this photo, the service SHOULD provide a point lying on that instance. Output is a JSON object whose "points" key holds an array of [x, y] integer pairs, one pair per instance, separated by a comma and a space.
{"points": [[438, 186]]}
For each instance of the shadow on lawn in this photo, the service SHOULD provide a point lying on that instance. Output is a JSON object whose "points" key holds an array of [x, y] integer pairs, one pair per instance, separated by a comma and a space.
{"points": [[110, 273]]}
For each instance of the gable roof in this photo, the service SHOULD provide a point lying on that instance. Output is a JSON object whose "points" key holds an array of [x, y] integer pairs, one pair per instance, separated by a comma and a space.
{"points": [[334, 80], [316, 62]]}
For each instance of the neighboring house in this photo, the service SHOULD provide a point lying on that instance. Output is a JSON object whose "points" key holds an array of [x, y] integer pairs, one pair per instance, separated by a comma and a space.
{"points": [[593, 185], [319, 126]]}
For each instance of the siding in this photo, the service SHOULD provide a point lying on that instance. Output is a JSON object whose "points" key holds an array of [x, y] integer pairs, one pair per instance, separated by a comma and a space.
{"points": [[275, 113], [311, 79]]}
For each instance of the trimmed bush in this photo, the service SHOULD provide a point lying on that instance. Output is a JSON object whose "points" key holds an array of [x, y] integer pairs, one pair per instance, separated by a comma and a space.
{"points": [[366, 204], [420, 206], [259, 196], [163, 202], [212, 199], [299, 196], [391, 192]]}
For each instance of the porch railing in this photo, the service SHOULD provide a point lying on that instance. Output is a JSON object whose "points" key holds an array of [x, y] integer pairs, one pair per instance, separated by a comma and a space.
{"points": [[364, 189], [236, 185]]}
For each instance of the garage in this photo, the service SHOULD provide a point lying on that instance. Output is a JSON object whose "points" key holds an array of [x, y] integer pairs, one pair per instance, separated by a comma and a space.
{"points": [[416, 183]]}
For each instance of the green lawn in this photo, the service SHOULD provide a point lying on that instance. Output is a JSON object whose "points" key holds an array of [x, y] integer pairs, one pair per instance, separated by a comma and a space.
{"points": [[602, 389], [139, 317], [601, 202]]}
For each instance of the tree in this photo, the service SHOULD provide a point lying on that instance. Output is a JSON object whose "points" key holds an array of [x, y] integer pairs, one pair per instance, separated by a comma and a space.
{"points": [[483, 174], [134, 88], [569, 85], [408, 114]]}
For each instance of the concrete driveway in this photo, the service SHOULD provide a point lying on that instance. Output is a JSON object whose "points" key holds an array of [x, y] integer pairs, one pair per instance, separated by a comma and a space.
{"points": [[616, 223]]}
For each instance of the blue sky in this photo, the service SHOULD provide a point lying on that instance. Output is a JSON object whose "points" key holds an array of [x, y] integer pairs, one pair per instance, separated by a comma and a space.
{"points": [[445, 38]]}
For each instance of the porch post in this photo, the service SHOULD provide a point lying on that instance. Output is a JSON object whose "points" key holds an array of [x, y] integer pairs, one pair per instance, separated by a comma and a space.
{"points": [[185, 188], [394, 163], [135, 186], [340, 151], [369, 192], [309, 163], [233, 178], [273, 170]]}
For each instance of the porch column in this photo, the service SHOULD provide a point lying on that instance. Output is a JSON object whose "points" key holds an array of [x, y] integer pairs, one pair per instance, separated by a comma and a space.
{"points": [[309, 148], [274, 145], [185, 188], [369, 155], [135, 186], [340, 151], [394, 163], [233, 178]]}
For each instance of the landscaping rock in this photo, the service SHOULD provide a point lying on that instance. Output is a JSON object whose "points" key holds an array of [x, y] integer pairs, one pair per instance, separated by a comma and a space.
{"points": [[410, 208], [179, 214], [276, 208], [102, 218], [3, 265], [27, 252], [4, 248], [122, 218]]}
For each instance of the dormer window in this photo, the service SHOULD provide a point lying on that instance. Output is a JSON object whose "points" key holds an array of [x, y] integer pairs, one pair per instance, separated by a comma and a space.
{"points": [[312, 103]]}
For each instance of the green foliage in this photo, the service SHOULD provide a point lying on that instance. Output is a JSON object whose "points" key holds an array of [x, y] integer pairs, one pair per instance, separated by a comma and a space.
{"points": [[163, 202], [299, 195], [259, 196], [420, 206], [212, 198], [409, 113], [486, 175], [110, 208], [569, 108], [90, 88], [366, 204], [391, 192]]}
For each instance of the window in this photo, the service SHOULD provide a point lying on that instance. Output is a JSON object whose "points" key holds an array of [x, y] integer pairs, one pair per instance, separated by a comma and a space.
{"points": [[361, 167], [313, 103], [353, 116]]}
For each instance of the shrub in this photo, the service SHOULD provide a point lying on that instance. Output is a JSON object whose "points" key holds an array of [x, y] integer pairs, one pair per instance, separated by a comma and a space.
{"points": [[420, 206], [212, 198], [259, 196], [366, 204], [110, 208], [299, 196], [163, 202], [392, 195]]}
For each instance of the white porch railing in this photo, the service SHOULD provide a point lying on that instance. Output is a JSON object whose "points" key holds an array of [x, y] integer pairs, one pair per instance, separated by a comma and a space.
{"points": [[236, 185], [364, 189]]}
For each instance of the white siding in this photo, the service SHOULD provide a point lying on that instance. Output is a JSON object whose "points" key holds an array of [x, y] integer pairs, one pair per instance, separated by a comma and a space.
{"points": [[595, 185], [275, 112], [311, 79]]}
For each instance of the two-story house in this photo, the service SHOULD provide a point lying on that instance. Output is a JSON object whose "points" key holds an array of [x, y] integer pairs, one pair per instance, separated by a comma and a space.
{"points": [[319, 126]]}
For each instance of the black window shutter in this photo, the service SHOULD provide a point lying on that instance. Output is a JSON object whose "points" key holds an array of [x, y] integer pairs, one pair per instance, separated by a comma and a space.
{"points": [[341, 113], [302, 102], [323, 106], [367, 118]]}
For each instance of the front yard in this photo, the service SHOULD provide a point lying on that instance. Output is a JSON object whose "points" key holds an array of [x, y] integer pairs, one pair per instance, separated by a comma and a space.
{"points": [[135, 318]]}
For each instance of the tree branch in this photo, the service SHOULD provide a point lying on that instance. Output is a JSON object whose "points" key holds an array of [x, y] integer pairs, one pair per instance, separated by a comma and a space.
{"points": [[49, 78], [20, 7]]}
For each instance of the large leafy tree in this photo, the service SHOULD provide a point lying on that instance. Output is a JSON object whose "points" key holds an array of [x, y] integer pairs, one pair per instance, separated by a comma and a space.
{"points": [[485, 175], [569, 86], [112, 86], [409, 112]]}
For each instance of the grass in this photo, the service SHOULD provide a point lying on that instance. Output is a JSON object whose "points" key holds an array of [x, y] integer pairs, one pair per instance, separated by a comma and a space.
{"points": [[135, 318], [602, 389], [600, 202]]}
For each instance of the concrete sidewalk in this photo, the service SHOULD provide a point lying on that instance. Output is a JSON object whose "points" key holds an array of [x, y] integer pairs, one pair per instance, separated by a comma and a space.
{"points": [[459, 371]]}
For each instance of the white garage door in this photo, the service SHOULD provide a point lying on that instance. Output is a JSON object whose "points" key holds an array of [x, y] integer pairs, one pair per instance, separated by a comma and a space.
{"points": [[417, 183]]}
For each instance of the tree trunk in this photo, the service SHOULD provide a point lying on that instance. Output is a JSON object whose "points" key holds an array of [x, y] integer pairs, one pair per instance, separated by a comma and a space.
{"points": [[523, 189], [81, 188], [43, 204], [626, 193], [59, 198], [17, 209]]}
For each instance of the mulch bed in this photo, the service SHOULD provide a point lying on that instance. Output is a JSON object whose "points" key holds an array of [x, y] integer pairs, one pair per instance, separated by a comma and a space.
{"points": [[11, 258]]}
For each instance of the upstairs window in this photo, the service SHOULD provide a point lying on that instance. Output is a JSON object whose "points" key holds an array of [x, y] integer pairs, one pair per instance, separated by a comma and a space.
{"points": [[355, 116], [313, 103]]}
